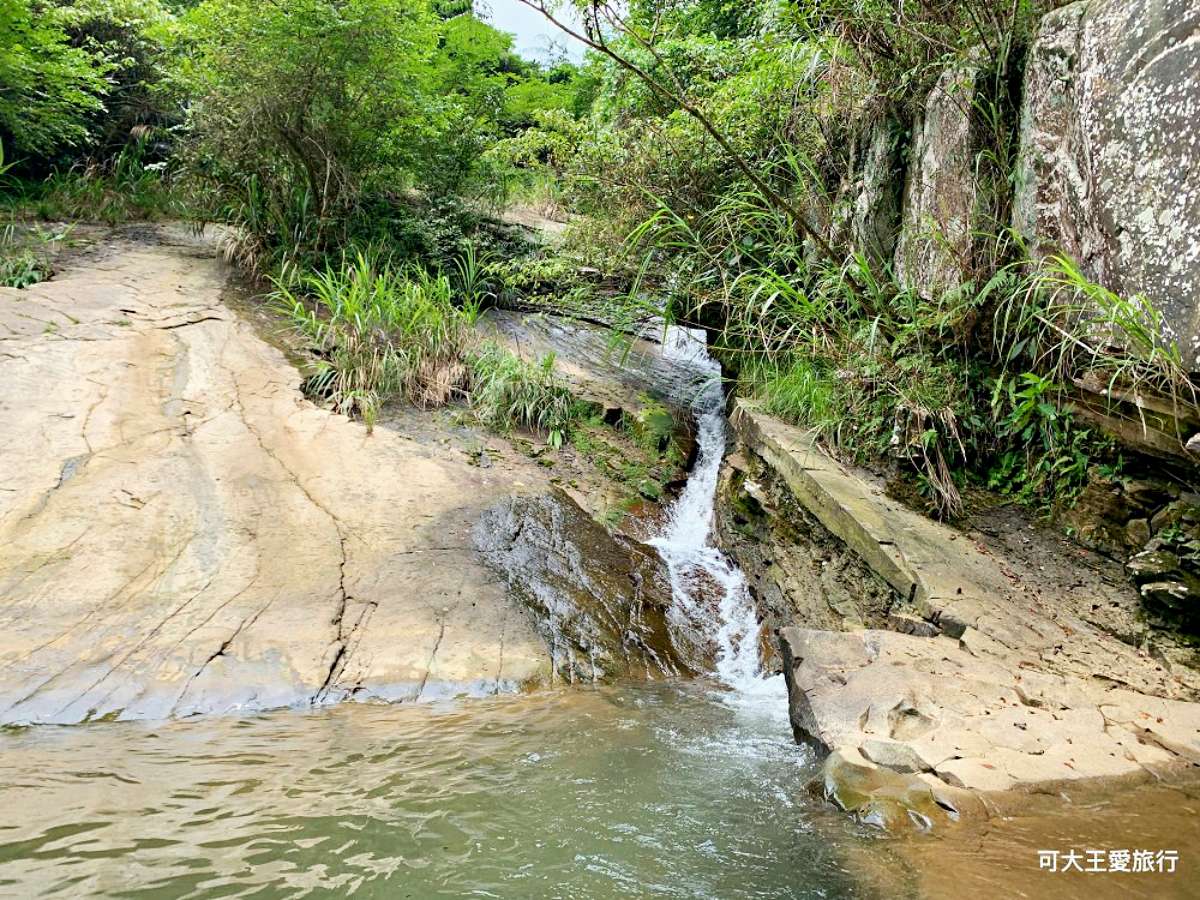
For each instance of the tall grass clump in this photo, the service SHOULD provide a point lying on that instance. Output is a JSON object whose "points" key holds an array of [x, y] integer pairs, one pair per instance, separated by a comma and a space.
{"points": [[508, 391], [383, 332], [1067, 326], [25, 257], [129, 187]]}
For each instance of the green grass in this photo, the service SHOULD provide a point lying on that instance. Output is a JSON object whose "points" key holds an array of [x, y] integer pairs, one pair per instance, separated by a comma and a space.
{"points": [[384, 333], [25, 257], [506, 391], [22, 270], [123, 189], [381, 333]]}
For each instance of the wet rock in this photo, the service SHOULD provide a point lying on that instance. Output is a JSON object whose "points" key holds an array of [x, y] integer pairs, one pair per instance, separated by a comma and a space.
{"points": [[891, 799], [1173, 596], [1115, 517], [634, 382], [1106, 171], [600, 600], [1137, 532], [1180, 515]]}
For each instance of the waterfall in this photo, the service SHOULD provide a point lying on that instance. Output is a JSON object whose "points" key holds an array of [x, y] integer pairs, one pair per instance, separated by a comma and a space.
{"points": [[698, 570]]}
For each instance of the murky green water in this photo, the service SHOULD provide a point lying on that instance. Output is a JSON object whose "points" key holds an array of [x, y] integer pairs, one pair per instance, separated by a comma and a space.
{"points": [[660, 790], [623, 792]]}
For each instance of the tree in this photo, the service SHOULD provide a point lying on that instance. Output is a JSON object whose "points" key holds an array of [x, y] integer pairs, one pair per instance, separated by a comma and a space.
{"points": [[48, 88], [602, 18], [303, 105]]}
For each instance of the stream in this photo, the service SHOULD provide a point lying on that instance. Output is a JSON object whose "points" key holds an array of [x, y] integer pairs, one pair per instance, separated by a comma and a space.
{"points": [[672, 788]]}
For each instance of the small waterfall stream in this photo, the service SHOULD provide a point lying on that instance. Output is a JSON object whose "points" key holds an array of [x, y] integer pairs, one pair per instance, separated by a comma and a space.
{"points": [[698, 569]]}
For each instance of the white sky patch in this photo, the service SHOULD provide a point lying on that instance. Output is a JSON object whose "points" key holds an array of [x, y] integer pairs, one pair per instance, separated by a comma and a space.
{"points": [[536, 37]]}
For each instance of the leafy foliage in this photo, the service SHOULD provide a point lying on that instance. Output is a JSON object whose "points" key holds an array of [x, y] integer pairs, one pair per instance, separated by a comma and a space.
{"points": [[48, 88]]}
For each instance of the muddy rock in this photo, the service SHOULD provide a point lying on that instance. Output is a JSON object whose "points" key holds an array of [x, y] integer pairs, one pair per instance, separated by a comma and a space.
{"points": [[600, 600]]}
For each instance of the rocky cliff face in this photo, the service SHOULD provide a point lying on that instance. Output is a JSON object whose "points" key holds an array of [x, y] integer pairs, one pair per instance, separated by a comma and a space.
{"points": [[935, 252], [1107, 170]]}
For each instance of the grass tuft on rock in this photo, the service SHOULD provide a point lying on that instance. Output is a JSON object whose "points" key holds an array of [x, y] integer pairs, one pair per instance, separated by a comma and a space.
{"points": [[385, 333]]}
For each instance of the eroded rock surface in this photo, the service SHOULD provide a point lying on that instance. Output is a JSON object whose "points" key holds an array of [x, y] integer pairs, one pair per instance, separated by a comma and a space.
{"points": [[1107, 170], [979, 682], [935, 252], [600, 600], [182, 532]]}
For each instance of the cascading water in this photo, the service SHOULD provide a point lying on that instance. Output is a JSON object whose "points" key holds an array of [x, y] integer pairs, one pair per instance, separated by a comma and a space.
{"points": [[698, 570]]}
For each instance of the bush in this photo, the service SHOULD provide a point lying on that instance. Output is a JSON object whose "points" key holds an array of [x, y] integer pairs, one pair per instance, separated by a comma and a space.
{"points": [[48, 88], [300, 109]]}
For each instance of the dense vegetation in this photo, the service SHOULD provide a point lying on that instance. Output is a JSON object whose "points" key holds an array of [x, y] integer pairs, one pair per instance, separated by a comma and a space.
{"points": [[704, 151]]}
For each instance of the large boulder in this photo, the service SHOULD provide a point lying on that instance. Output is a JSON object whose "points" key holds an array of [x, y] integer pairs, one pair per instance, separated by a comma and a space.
{"points": [[936, 249], [1107, 168]]}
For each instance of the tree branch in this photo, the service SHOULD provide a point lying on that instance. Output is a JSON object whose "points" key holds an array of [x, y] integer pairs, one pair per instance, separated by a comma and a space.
{"points": [[678, 98]]}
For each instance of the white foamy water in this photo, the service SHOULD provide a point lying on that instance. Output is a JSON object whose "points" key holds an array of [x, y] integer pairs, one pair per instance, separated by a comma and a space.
{"points": [[699, 570]]}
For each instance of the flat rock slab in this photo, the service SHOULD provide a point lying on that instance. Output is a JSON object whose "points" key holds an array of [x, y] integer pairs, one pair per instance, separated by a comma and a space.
{"points": [[182, 532], [1005, 689]]}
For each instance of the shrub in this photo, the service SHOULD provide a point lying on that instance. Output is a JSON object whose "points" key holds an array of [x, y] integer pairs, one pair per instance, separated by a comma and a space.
{"points": [[48, 88]]}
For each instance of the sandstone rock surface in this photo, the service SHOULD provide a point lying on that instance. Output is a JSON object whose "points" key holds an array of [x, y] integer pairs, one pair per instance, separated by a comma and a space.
{"points": [[1001, 689], [1107, 163], [182, 532]]}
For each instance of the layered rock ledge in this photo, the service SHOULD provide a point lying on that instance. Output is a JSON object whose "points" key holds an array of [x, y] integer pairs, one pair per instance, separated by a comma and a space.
{"points": [[978, 684]]}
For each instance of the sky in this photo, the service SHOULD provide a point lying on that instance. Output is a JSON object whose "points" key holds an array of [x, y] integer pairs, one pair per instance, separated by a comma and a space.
{"points": [[535, 36]]}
